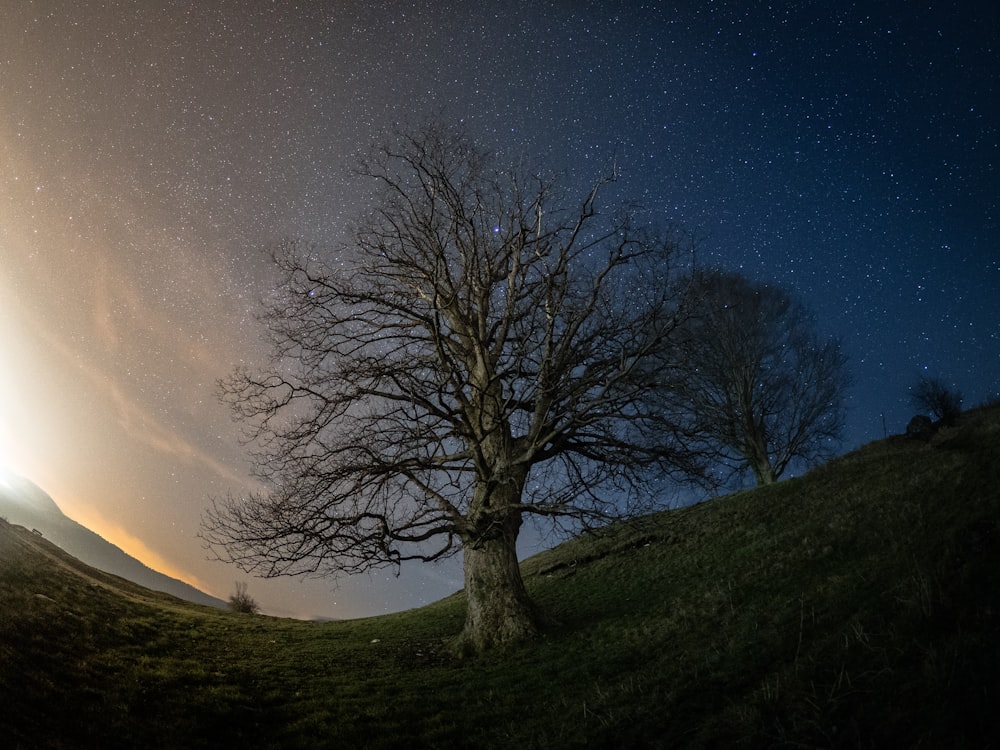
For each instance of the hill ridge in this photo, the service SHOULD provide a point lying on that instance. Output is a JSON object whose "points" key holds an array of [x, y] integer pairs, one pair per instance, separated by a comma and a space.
{"points": [[24, 503]]}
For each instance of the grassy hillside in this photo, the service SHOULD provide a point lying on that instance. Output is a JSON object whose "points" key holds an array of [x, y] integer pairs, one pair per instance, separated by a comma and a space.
{"points": [[855, 607]]}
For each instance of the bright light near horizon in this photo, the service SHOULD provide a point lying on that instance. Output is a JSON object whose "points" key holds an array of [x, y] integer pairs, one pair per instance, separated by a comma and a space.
{"points": [[6, 476], [31, 404], [10, 472], [9, 477], [15, 400]]}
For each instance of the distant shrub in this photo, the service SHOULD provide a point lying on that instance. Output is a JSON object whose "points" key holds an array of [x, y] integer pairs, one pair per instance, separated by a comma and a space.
{"points": [[241, 601], [920, 428], [932, 395]]}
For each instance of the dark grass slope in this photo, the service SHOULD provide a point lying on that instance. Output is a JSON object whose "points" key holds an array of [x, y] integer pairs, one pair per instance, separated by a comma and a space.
{"points": [[855, 607]]}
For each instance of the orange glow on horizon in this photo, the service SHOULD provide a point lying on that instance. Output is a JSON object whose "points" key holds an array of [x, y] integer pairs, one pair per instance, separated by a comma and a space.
{"points": [[132, 545]]}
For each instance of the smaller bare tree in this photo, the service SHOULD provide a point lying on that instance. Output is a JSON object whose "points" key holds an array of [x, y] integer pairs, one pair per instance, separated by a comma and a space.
{"points": [[241, 601], [933, 395], [754, 383]]}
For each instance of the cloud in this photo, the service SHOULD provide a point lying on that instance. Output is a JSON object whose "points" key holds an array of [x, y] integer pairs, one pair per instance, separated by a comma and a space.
{"points": [[143, 427]]}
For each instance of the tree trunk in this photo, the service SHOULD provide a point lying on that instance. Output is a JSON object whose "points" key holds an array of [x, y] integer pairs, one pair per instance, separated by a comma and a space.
{"points": [[764, 472], [499, 610], [757, 455]]}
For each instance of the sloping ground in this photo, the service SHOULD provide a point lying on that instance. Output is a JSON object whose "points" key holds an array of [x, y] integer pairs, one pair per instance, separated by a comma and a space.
{"points": [[71, 641], [24, 503], [855, 607]]}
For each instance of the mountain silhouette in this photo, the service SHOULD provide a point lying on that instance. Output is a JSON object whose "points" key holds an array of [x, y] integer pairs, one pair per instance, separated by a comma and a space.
{"points": [[24, 503]]}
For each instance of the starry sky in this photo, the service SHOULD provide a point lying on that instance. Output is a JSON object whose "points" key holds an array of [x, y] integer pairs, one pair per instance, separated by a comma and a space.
{"points": [[151, 152]]}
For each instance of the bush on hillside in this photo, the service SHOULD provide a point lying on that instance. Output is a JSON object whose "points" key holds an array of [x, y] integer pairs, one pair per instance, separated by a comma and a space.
{"points": [[942, 402], [241, 601]]}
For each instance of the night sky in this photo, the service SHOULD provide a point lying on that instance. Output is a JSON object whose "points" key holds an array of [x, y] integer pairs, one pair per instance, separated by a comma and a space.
{"points": [[149, 156]]}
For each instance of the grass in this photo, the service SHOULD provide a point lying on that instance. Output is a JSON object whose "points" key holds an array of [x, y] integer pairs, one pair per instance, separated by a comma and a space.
{"points": [[854, 607]]}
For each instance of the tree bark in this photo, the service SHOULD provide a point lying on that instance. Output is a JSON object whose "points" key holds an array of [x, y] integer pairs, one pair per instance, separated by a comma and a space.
{"points": [[499, 610], [764, 472], [755, 449], [760, 461]]}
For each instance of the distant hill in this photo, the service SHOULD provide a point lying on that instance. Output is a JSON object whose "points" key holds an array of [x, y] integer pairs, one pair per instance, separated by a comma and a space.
{"points": [[24, 503]]}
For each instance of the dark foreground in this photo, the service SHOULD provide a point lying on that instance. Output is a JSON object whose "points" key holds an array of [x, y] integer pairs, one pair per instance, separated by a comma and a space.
{"points": [[855, 607]]}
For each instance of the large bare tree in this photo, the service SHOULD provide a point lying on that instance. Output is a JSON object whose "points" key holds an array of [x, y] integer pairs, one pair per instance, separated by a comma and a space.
{"points": [[754, 383], [471, 359]]}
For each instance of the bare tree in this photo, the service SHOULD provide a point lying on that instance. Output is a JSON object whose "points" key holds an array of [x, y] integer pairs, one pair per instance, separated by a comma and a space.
{"points": [[471, 360], [934, 395], [754, 383]]}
